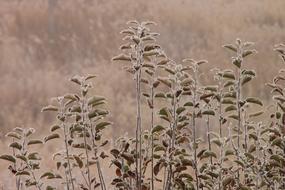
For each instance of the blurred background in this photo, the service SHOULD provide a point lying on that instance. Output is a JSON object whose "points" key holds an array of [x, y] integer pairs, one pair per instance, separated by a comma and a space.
{"points": [[45, 42]]}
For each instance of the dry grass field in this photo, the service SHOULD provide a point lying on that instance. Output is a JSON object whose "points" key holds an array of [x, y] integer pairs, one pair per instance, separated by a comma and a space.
{"points": [[45, 42]]}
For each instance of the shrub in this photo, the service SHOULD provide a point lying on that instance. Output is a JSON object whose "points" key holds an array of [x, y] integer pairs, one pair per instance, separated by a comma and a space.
{"points": [[243, 149]]}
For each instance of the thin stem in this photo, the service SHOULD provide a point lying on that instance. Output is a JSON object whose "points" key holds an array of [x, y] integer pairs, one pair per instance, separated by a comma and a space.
{"points": [[238, 99], [101, 177], [85, 140], [209, 137], [138, 131], [194, 129], [67, 155], [66, 179], [152, 143]]}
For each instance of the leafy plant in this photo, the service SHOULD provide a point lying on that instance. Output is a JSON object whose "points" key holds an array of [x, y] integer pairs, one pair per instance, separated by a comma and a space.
{"points": [[243, 147]]}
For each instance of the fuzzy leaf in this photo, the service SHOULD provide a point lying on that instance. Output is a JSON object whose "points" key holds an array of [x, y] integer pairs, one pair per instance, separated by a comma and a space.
{"points": [[157, 128], [22, 173], [16, 145], [122, 57], [102, 125], [35, 141], [8, 158], [254, 101], [50, 108], [231, 47], [13, 135], [78, 161], [208, 112], [50, 137]]}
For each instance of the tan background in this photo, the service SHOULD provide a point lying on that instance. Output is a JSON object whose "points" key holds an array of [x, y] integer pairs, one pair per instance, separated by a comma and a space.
{"points": [[45, 42]]}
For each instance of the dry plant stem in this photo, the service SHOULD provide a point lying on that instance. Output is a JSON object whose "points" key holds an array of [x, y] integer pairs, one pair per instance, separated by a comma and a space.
{"points": [[220, 167], [66, 179], [67, 155], [194, 129], [138, 130], [23, 152], [173, 136], [245, 132], [152, 143], [239, 112], [101, 177], [83, 104], [209, 137], [18, 179], [220, 110], [164, 179], [34, 177], [103, 186], [238, 106]]}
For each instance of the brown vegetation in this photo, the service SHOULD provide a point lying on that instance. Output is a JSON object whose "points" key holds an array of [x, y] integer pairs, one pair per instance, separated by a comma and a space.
{"points": [[44, 42]]}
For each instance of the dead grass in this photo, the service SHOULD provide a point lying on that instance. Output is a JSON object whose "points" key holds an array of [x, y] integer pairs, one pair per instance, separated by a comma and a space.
{"points": [[41, 45]]}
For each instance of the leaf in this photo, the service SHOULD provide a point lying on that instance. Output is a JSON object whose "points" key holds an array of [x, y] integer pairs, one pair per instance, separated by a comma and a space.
{"points": [[212, 88], [208, 112], [54, 128], [188, 104], [186, 82], [227, 75], [165, 114], [187, 176], [122, 57], [22, 157], [76, 79], [78, 161], [231, 47], [208, 153], [35, 142], [157, 128], [281, 106], [254, 101], [180, 110], [102, 125], [8, 158], [47, 174], [50, 108], [52, 136], [22, 173], [239, 163], [227, 181], [33, 156], [115, 152], [249, 72], [165, 81], [229, 152], [248, 52], [230, 108], [13, 135], [50, 188], [128, 157], [88, 77], [234, 117], [95, 99], [256, 114], [237, 62], [160, 95], [246, 79], [81, 145], [248, 155], [227, 101], [150, 53], [16, 145], [217, 142], [157, 168]]}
